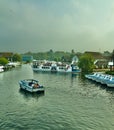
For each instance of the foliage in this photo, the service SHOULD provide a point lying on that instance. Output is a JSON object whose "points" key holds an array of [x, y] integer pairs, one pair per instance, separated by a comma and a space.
{"points": [[110, 72], [112, 59], [16, 57], [112, 56], [3, 61], [86, 63], [51, 55]]}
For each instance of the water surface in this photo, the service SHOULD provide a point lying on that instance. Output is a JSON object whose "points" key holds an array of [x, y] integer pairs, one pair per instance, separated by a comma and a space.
{"points": [[69, 103]]}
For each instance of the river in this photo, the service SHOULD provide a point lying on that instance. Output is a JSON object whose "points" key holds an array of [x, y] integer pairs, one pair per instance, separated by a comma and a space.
{"points": [[69, 103]]}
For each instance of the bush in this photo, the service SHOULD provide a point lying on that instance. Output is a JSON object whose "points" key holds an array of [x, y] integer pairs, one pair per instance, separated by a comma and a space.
{"points": [[110, 72], [3, 61], [86, 63]]}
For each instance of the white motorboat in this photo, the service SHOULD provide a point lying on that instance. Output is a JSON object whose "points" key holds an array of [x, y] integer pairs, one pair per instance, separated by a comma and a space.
{"points": [[31, 85]]}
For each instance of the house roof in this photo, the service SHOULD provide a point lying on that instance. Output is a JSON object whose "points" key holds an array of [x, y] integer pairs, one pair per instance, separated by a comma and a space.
{"points": [[96, 55], [6, 54]]}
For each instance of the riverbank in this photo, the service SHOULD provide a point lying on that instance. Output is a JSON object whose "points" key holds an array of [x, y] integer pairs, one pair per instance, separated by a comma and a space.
{"points": [[101, 70], [10, 66]]}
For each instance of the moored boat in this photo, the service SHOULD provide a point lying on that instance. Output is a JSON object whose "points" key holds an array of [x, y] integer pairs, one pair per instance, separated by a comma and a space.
{"points": [[95, 76], [110, 82], [105, 79], [101, 78], [52, 66], [1, 68], [90, 76]]}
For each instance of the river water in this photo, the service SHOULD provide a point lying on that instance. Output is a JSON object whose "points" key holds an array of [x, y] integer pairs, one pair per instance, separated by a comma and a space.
{"points": [[69, 103]]}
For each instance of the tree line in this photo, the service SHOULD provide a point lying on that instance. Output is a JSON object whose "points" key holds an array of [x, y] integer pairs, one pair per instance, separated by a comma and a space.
{"points": [[54, 56], [86, 62], [14, 58]]}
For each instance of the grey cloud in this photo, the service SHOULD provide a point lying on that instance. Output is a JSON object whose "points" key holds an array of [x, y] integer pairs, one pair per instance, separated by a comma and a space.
{"points": [[30, 26]]}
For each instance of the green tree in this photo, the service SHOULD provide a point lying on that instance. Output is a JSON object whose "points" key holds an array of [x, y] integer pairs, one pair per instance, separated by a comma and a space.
{"points": [[112, 59], [3, 61], [86, 63], [17, 57]]}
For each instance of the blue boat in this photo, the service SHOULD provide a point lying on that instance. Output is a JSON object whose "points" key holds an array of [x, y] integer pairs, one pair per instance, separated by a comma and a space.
{"points": [[97, 77], [102, 78], [105, 79], [110, 82], [91, 76]]}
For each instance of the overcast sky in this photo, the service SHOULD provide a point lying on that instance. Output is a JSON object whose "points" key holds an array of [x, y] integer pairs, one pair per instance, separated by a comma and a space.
{"points": [[60, 25]]}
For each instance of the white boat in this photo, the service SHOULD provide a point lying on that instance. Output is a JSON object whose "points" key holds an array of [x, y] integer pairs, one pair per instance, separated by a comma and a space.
{"points": [[52, 66], [99, 77], [31, 85], [14, 64], [90, 76], [102, 78], [95, 77], [105, 79], [110, 82], [1, 68]]}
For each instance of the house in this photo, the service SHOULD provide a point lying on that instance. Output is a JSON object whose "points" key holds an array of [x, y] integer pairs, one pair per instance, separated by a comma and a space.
{"points": [[7, 55], [111, 65], [100, 61], [27, 58], [95, 55], [75, 60]]}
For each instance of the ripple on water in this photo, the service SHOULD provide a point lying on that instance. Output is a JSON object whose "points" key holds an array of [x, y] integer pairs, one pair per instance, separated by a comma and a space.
{"points": [[69, 103]]}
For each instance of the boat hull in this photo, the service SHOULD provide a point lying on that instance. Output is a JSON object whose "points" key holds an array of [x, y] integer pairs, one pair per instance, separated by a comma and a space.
{"points": [[110, 85], [63, 70]]}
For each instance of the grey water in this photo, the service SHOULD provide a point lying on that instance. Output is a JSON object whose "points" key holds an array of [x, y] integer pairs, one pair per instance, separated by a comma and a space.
{"points": [[70, 102]]}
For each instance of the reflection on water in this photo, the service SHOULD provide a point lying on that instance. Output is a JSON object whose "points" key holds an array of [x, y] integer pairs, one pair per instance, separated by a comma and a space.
{"points": [[70, 102], [29, 95]]}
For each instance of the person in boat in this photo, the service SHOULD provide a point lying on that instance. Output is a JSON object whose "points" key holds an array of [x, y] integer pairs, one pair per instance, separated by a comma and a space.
{"points": [[36, 85]]}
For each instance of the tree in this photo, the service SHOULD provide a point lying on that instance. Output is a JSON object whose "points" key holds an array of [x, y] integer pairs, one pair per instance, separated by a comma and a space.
{"points": [[3, 61], [112, 58], [16, 57], [72, 51], [86, 63]]}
